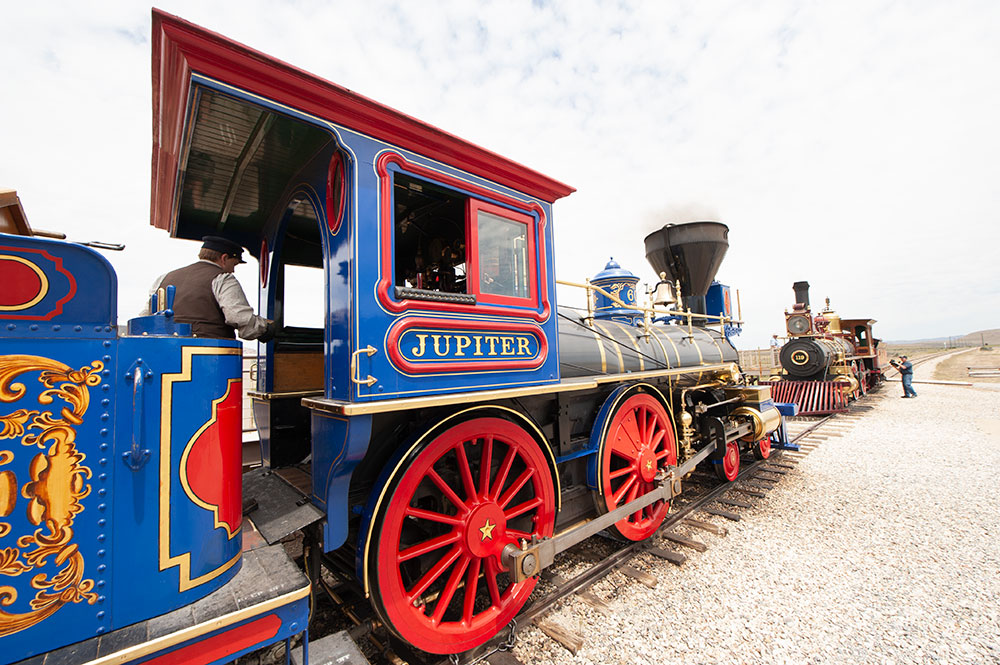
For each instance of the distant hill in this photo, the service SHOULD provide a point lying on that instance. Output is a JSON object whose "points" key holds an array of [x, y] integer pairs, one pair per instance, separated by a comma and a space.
{"points": [[991, 337]]}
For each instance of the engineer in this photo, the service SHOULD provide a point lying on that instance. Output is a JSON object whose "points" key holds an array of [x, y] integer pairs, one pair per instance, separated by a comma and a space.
{"points": [[209, 297]]}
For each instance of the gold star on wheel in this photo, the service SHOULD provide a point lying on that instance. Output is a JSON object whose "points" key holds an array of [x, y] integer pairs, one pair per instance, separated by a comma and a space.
{"points": [[487, 530], [649, 464]]}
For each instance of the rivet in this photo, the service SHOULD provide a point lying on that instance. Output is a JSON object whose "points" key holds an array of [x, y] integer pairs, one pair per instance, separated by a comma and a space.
{"points": [[33, 326], [107, 359], [105, 415], [107, 328], [11, 326], [102, 522], [57, 327], [101, 552], [78, 328], [104, 446], [107, 343], [100, 615], [101, 568], [104, 431], [102, 492], [103, 477], [295, 626], [102, 507], [105, 402], [105, 387], [100, 584], [103, 461], [101, 599], [100, 629], [102, 537], [106, 372], [97, 328]]}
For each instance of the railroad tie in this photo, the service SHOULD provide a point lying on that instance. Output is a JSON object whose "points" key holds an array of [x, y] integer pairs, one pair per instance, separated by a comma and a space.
{"points": [[564, 636], [640, 575], [732, 517], [686, 542], [734, 502], [673, 557], [705, 526]]}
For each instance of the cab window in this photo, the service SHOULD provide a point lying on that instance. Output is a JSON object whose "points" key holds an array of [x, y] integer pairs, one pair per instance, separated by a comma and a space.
{"points": [[451, 247]]}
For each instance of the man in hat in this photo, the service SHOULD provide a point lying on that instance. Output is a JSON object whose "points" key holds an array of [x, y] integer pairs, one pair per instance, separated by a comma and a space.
{"points": [[905, 368], [208, 296]]}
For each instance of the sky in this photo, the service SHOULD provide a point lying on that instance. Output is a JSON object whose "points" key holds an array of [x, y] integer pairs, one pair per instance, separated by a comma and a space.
{"points": [[852, 144]]}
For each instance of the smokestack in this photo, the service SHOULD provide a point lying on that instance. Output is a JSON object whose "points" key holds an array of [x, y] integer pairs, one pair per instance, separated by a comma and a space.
{"points": [[690, 253], [801, 293]]}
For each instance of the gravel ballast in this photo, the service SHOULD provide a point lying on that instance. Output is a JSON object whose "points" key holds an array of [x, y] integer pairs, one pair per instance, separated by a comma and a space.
{"points": [[881, 546]]}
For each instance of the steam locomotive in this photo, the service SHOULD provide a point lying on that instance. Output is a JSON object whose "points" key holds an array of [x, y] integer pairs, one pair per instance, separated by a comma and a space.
{"points": [[827, 360], [441, 435]]}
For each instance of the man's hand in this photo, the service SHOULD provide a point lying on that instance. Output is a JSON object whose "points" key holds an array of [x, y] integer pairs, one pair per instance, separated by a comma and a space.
{"points": [[269, 332]]}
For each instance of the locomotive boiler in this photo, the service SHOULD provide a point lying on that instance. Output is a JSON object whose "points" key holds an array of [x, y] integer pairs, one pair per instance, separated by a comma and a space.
{"points": [[437, 436]]}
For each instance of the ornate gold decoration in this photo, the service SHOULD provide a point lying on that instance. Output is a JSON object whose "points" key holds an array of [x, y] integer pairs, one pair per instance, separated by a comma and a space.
{"points": [[57, 484]]}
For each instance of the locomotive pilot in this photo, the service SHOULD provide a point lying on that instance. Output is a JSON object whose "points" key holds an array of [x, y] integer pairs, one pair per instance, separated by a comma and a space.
{"points": [[209, 297]]}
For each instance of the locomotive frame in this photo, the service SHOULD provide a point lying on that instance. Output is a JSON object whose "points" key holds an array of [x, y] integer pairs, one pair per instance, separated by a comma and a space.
{"points": [[459, 428]]}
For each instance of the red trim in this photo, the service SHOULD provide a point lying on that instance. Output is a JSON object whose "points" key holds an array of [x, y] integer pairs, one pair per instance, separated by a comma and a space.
{"points": [[265, 262], [386, 223], [180, 47], [460, 327], [472, 254], [223, 644], [57, 263], [335, 199]]}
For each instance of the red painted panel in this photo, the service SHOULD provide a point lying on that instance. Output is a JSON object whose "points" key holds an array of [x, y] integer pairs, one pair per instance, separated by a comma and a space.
{"points": [[213, 464], [49, 265], [224, 644], [21, 283]]}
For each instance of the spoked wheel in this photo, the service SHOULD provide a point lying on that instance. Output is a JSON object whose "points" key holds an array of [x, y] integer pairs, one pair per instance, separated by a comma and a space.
{"points": [[729, 466], [639, 442], [439, 583], [761, 449]]}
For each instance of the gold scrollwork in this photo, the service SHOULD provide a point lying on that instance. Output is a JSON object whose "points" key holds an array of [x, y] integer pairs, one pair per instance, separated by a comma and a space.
{"points": [[57, 483]]}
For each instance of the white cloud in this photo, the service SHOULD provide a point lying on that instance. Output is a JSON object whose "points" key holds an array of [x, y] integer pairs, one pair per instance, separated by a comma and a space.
{"points": [[851, 144]]}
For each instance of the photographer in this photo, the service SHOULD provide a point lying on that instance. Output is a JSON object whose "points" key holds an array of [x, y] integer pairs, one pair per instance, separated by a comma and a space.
{"points": [[905, 368]]}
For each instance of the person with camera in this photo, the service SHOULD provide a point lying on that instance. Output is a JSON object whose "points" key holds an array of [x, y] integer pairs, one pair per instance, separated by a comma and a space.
{"points": [[905, 368]]}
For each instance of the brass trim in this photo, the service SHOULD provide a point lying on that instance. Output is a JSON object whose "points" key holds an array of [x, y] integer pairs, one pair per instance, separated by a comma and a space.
{"points": [[616, 343], [654, 335], [356, 409], [638, 351], [677, 371], [600, 347], [152, 646]]}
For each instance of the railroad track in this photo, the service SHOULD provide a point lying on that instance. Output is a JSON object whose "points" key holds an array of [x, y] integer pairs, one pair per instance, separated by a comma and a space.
{"points": [[702, 495]]}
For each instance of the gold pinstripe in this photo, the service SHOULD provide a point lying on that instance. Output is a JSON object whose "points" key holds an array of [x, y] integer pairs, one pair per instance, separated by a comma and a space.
{"points": [[654, 335], [600, 347], [638, 351], [617, 346]]}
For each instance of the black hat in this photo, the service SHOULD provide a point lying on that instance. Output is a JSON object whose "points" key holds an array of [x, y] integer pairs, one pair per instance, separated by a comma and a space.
{"points": [[223, 245]]}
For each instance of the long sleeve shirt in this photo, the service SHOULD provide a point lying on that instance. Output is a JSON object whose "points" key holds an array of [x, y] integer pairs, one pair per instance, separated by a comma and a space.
{"points": [[233, 302]]}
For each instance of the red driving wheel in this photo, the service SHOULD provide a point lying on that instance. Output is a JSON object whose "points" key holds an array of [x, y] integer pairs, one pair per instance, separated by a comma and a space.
{"points": [[478, 486], [729, 467], [639, 442], [761, 449]]}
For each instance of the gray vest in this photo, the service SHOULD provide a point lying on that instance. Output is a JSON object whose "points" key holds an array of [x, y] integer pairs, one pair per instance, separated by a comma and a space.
{"points": [[194, 301]]}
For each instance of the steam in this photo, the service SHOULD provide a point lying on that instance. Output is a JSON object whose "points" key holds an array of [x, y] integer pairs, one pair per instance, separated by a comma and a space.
{"points": [[680, 213]]}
